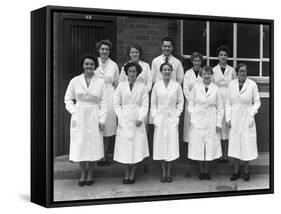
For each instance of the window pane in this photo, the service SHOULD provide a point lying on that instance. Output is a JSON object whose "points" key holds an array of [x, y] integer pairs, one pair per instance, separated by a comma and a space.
{"points": [[265, 69], [248, 40], [266, 41], [221, 33], [213, 63], [253, 68], [194, 37]]}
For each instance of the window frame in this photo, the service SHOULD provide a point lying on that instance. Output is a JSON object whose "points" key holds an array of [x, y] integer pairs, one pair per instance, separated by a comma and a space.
{"points": [[260, 60]]}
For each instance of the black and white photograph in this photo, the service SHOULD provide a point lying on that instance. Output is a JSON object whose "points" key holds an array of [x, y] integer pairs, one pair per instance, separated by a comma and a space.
{"points": [[150, 105]]}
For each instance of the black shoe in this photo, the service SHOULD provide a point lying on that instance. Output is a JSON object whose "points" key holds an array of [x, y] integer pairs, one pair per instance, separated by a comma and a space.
{"points": [[207, 176], [246, 176], [126, 181], [132, 181], [201, 176], [106, 163], [169, 179], [235, 176], [89, 183], [81, 183], [100, 163], [163, 179]]}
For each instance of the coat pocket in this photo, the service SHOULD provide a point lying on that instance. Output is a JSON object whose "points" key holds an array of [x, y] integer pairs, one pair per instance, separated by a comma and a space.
{"points": [[74, 122]]}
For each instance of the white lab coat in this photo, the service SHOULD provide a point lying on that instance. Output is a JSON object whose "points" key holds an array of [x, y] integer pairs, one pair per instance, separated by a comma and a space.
{"points": [[222, 81], [145, 76], [131, 145], [166, 107], [241, 107], [177, 73], [109, 72], [87, 106], [206, 112], [189, 81]]}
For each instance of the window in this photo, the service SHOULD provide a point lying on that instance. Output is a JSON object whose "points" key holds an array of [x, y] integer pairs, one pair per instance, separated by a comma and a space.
{"points": [[248, 43]]}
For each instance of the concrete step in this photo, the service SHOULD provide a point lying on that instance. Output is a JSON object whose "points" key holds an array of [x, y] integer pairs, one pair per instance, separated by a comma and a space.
{"points": [[64, 169]]}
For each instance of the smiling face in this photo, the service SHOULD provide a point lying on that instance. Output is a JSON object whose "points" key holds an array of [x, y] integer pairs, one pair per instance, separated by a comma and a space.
{"points": [[196, 62], [222, 57], [167, 48], [242, 73], [88, 66], [134, 54], [166, 72], [104, 51], [132, 74], [206, 75]]}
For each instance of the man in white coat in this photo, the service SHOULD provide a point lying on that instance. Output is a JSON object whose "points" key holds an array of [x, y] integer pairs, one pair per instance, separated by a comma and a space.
{"points": [[242, 104], [166, 56], [223, 74]]}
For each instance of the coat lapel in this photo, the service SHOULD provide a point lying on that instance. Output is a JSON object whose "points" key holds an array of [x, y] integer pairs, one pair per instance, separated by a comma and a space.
{"points": [[83, 81], [210, 89], [245, 86]]}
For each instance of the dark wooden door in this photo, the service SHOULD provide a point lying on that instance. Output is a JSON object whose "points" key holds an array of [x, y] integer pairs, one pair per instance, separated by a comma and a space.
{"points": [[74, 35]]}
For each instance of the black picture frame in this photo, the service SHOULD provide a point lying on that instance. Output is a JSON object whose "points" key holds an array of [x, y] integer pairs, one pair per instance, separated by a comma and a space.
{"points": [[42, 106]]}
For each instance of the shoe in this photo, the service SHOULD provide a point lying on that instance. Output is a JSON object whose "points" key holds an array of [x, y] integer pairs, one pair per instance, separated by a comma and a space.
{"points": [[207, 176], [235, 176], [132, 181], [163, 179], [125, 181], [100, 163], [89, 183], [169, 179], [81, 183], [246, 177], [201, 176], [106, 163]]}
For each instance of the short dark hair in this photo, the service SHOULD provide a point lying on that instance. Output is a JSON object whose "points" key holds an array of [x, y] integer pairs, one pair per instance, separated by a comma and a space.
{"points": [[224, 48], [104, 42], [195, 55], [239, 66], [165, 63], [208, 68], [131, 64], [136, 46], [89, 56], [168, 39]]}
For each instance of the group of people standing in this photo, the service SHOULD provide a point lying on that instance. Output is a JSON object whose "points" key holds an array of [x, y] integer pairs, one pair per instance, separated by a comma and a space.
{"points": [[220, 104]]}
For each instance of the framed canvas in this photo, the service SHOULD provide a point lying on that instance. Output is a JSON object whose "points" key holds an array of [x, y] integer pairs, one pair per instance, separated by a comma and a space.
{"points": [[95, 140]]}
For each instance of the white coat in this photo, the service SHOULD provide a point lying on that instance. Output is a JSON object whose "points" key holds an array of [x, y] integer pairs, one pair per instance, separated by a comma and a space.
{"points": [[189, 81], [166, 107], [222, 81], [131, 145], [241, 107], [206, 112], [87, 106], [177, 73], [109, 72], [145, 76]]}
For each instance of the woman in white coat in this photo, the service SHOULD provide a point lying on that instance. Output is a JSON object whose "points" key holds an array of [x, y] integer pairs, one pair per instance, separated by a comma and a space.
{"points": [[135, 52], [242, 104], [191, 77], [206, 110], [109, 72], [85, 100], [131, 106], [223, 74], [166, 106]]}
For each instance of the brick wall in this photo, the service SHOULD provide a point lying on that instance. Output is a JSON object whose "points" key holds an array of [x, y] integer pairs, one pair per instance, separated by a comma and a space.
{"points": [[148, 32]]}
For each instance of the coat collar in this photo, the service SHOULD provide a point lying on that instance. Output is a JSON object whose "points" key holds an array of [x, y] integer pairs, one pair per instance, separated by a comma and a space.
{"points": [[170, 58], [227, 69], [194, 75], [211, 89]]}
